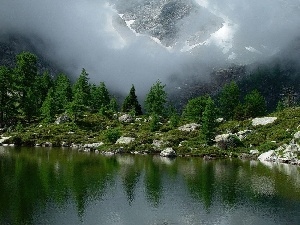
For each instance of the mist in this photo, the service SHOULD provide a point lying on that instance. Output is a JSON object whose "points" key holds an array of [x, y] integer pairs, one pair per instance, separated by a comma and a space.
{"points": [[90, 34]]}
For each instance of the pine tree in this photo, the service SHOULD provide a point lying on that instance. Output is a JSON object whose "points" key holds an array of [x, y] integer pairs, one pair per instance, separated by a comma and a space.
{"points": [[209, 120], [113, 105], [6, 95], [26, 76], [104, 98], [48, 109], [44, 83], [156, 99], [229, 99], [173, 116], [194, 109], [100, 98], [131, 103], [81, 96], [81, 88], [254, 104], [62, 93]]}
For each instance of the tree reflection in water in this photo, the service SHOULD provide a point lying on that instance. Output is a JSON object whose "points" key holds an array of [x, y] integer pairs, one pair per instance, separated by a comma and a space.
{"points": [[32, 178]]}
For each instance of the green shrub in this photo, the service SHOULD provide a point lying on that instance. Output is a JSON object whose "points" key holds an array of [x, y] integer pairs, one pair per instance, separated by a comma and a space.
{"points": [[232, 142], [112, 135], [154, 123], [267, 146]]}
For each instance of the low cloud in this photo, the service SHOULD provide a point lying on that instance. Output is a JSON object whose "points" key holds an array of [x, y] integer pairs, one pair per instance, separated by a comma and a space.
{"points": [[90, 34]]}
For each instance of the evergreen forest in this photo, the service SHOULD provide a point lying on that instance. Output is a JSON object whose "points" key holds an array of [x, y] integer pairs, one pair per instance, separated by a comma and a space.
{"points": [[40, 108]]}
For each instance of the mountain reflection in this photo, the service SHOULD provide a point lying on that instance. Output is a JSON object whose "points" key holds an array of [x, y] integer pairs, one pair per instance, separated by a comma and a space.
{"points": [[32, 178]]}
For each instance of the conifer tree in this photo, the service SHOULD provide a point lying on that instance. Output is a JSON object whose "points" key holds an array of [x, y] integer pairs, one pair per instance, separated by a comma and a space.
{"points": [[156, 99], [62, 93], [81, 96], [131, 103], [44, 83], [104, 98], [229, 99], [81, 88], [209, 120], [194, 109], [48, 109], [113, 105], [6, 95], [254, 104], [26, 76]]}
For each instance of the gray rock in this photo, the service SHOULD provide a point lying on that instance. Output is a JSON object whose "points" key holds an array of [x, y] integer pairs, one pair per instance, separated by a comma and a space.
{"points": [[243, 134], [292, 148], [159, 143], [93, 145], [126, 118], [3, 139], [263, 121], [73, 145], [65, 144], [62, 119], [124, 140], [168, 152], [189, 127], [220, 120], [267, 156], [223, 137], [283, 154], [297, 136], [254, 152], [47, 144]]}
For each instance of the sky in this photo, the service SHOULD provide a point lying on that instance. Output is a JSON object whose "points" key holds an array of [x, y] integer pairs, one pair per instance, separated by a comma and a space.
{"points": [[84, 34]]}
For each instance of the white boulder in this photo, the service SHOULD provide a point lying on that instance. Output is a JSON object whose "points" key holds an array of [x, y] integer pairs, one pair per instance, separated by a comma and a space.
{"points": [[126, 118], [263, 121], [125, 140], [267, 156], [297, 136], [254, 152], [189, 127], [168, 152], [2, 139], [222, 137]]}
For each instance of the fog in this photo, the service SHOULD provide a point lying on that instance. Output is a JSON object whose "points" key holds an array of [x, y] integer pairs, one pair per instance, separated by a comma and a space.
{"points": [[89, 34]]}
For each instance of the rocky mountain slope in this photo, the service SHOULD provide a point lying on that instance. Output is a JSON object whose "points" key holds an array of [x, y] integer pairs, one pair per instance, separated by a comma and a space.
{"points": [[11, 45]]}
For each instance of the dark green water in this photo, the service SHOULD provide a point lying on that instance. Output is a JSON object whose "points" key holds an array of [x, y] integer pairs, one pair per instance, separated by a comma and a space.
{"points": [[61, 186]]}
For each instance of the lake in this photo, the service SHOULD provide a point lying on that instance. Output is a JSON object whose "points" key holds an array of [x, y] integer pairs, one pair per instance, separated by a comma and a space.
{"points": [[64, 186]]}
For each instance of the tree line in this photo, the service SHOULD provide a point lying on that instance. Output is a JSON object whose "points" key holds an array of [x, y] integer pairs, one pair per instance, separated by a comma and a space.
{"points": [[27, 96]]}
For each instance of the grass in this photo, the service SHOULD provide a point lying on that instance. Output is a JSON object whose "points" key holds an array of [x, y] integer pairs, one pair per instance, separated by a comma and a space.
{"points": [[98, 128]]}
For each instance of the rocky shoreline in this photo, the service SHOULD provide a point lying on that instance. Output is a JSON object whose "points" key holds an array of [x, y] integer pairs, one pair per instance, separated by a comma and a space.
{"points": [[285, 153]]}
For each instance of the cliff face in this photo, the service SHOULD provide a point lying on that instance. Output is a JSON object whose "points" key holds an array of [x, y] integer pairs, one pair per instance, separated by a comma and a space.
{"points": [[11, 45], [173, 23]]}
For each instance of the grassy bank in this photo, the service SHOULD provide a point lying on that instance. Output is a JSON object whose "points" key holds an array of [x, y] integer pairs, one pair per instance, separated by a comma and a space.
{"points": [[95, 128]]}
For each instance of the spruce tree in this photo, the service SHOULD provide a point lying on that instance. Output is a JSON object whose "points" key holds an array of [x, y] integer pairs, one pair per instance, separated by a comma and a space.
{"points": [[194, 109], [62, 93], [254, 104], [104, 98], [7, 95], [44, 83], [156, 99], [26, 76], [113, 105], [81, 96], [209, 120], [48, 109], [229, 99], [131, 103]]}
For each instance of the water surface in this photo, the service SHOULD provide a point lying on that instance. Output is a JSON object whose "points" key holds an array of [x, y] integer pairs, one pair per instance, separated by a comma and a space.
{"points": [[62, 186]]}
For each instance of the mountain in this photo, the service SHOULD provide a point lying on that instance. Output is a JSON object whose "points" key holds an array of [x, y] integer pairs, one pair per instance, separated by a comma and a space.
{"points": [[11, 45], [178, 24], [194, 46]]}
